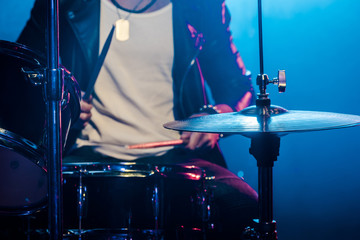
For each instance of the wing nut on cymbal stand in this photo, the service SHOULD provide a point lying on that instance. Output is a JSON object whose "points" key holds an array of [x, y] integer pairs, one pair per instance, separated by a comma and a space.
{"points": [[262, 81]]}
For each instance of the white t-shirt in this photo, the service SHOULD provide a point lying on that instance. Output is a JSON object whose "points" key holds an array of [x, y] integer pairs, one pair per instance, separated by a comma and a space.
{"points": [[134, 91]]}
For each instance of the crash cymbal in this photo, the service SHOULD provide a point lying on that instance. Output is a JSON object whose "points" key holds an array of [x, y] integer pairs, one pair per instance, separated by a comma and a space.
{"points": [[280, 121]]}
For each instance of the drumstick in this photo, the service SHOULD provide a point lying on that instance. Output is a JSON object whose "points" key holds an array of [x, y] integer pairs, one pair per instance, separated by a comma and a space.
{"points": [[98, 65], [156, 144]]}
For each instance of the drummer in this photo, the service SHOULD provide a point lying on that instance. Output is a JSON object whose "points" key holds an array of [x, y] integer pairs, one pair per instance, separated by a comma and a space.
{"points": [[168, 60]]}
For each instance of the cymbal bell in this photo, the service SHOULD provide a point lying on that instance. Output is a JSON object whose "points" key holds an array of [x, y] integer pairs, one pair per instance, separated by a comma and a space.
{"points": [[279, 121]]}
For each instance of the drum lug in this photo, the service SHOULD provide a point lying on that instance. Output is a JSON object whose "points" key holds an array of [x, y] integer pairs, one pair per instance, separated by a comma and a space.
{"points": [[65, 99], [35, 77], [207, 204], [82, 202], [156, 207]]}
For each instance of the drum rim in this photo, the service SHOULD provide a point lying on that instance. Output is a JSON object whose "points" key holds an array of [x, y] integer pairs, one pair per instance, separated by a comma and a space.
{"points": [[131, 169], [33, 153], [23, 52], [113, 232], [121, 169], [23, 146], [24, 211]]}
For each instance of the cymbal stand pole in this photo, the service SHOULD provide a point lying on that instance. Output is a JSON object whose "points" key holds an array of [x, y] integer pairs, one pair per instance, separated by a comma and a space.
{"points": [[261, 78], [265, 149], [54, 84], [261, 54]]}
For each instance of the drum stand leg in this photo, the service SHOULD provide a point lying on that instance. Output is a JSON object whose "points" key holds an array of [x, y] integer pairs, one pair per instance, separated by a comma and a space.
{"points": [[265, 149]]}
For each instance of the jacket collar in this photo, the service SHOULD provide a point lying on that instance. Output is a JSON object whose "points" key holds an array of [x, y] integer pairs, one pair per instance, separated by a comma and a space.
{"points": [[84, 18]]}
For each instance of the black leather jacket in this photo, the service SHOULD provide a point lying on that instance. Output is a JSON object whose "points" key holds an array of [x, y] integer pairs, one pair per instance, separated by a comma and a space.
{"points": [[196, 23]]}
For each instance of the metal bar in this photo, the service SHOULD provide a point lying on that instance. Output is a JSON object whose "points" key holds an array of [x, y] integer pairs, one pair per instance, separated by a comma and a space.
{"points": [[53, 92], [265, 194], [261, 54]]}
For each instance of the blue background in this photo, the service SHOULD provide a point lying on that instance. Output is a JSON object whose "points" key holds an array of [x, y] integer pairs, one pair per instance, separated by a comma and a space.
{"points": [[316, 177]]}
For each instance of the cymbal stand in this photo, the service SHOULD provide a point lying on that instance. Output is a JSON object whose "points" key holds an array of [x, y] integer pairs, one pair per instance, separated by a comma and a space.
{"points": [[265, 148]]}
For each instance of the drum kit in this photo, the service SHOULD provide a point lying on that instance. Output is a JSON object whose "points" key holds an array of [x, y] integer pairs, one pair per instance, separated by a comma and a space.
{"points": [[157, 197], [25, 163]]}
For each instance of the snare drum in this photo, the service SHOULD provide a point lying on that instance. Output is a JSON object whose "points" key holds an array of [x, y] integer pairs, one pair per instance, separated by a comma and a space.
{"points": [[133, 201], [23, 183]]}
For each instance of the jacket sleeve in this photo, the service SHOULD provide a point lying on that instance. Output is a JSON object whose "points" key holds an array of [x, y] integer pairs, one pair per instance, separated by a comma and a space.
{"points": [[34, 33], [221, 63]]}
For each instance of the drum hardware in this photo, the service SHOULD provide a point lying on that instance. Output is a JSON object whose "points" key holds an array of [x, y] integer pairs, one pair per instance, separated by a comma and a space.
{"points": [[82, 200], [157, 200], [36, 77], [265, 124], [206, 199], [263, 80]]}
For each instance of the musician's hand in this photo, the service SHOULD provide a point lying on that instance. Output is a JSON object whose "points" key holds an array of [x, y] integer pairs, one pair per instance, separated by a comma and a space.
{"points": [[198, 140], [85, 115]]}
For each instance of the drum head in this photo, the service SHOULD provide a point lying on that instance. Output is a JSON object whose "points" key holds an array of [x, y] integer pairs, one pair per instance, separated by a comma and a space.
{"points": [[23, 181]]}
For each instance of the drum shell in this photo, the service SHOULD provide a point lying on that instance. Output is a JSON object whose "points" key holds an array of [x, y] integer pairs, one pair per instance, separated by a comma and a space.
{"points": [[118, 200], [22, 102]]}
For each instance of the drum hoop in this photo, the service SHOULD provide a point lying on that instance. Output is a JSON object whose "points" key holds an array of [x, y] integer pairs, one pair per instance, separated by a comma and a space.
{"points": [[24, 211], [21, 51], [123, 169], [132, 169], [116, 233], [23, 146], [33, 153]]}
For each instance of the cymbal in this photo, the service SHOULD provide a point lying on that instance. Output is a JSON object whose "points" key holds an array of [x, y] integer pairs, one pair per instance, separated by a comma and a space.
{"points": [[280, 121]]}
